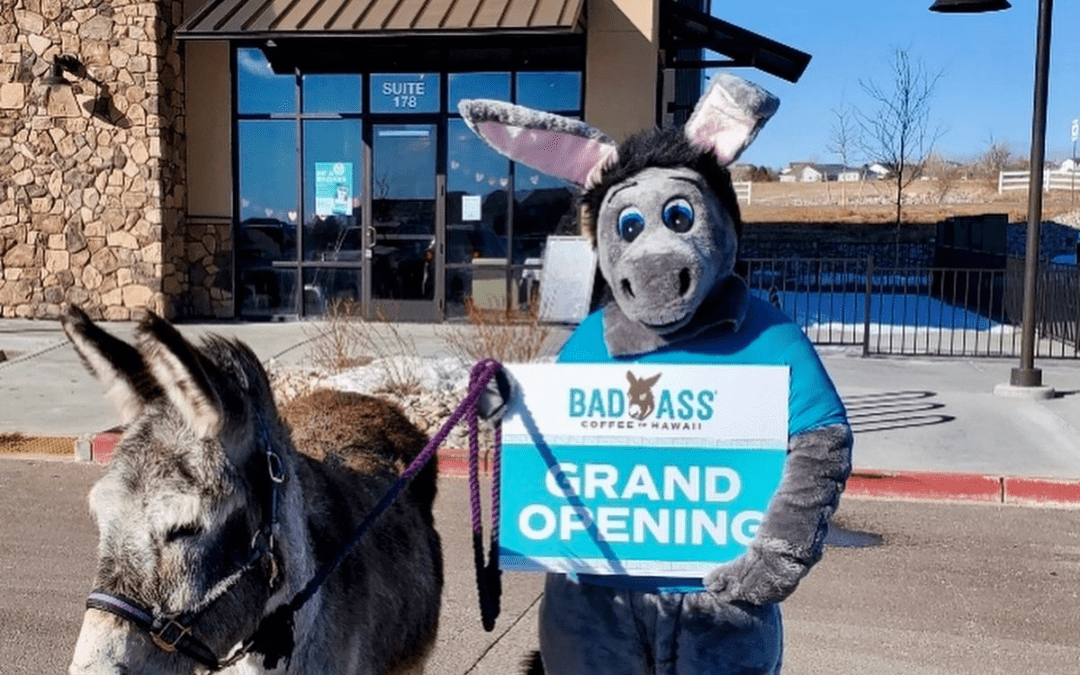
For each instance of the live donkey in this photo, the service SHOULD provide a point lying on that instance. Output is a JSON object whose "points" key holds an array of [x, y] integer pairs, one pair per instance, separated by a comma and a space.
{"points": [[210, 518]]}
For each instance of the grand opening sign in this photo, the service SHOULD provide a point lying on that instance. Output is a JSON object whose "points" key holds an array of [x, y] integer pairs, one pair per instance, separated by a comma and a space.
{"points": [[640, 469]]}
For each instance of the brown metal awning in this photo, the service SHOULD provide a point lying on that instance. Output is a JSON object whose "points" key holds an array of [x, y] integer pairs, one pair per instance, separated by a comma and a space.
{"points": [[269, 19]]}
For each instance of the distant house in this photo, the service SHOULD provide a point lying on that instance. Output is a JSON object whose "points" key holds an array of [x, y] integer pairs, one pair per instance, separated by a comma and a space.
{"points": [[877, 171], [811, 172], [1069, 165]]}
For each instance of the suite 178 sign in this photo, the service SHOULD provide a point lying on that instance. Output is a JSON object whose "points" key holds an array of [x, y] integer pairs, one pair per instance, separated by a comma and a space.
{"points": [[653, 470]]}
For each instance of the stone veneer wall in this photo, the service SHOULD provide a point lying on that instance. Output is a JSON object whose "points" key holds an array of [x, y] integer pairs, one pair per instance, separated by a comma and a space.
{"points": [[207, 292], [91, 203]]}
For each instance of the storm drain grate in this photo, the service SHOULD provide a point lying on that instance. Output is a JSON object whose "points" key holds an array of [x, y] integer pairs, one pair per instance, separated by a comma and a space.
{"points": [[36, 445]]}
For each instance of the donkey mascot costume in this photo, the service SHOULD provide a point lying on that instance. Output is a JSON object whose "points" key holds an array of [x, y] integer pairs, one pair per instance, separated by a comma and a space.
{"points": [[662, 213]]}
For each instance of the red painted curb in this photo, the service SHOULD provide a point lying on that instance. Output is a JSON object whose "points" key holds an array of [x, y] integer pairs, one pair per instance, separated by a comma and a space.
{"points": [[101, 448], [918, 485], [454, 463], [1041, 491]]}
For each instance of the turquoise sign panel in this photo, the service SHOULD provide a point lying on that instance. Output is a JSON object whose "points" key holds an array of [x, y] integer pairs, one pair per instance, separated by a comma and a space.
{"points": [[669, 512]]}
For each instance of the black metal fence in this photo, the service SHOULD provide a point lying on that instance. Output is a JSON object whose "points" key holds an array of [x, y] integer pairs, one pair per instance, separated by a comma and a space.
{"points": [[922, 311]]}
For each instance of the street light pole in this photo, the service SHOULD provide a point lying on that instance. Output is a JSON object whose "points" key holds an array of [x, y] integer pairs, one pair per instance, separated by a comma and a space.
{"points": [[1027, 379], [1027, 375]]}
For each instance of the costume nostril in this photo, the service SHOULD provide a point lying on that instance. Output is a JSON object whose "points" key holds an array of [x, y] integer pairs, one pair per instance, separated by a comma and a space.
{"points": [[626, 288], [684, 281]]}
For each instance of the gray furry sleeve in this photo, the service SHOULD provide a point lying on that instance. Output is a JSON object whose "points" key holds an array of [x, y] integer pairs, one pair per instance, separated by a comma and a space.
{"points": [[791, 537]]}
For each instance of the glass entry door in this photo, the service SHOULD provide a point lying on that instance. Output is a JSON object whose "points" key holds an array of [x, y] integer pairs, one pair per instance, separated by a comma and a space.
{"points": [[405, 270]]}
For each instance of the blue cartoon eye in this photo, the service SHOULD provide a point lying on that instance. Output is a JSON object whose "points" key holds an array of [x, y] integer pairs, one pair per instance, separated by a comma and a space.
{"points": [[631, 223], [679, 215]]}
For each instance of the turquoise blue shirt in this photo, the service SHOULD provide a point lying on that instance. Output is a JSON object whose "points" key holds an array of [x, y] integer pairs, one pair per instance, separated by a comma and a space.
{"points": [[764, 336]]}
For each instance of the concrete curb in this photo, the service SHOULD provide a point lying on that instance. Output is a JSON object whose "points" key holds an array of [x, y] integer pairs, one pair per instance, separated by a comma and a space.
{"points": [[454, 463]]}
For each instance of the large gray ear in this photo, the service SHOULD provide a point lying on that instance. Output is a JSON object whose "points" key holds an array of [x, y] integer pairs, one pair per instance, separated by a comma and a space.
{"points": [[728, 117], [183, 374], [558, 146], [116, 364]]}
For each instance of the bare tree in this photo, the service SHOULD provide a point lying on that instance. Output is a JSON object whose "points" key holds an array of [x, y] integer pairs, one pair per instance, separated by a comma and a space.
{"points": [[997, 158], [944, 175], [896, 130], [843, 139]]}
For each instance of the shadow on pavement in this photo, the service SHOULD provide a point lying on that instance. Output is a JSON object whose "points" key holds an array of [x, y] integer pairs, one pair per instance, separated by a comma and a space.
{"points": [[891, 410]]}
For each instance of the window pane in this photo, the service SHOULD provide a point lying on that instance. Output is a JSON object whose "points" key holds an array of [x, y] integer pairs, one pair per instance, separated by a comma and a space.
{"points": [[333, 180], [526, 288], [553, 91], [268, 191], [404, 159], [458, 288], [332, 93], [268, 291], [403, 212], [478, 85], [542, 206], [259, 90], [405, 93], [329, 289], [477, 178]]}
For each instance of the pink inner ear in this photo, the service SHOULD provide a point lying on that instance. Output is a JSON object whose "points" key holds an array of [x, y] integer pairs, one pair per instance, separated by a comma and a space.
{"points": [[724, 135], [567, 156]]}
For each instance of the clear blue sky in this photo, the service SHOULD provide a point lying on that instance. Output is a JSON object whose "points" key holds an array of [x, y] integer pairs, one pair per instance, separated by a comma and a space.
{"points": [[986, 90]]}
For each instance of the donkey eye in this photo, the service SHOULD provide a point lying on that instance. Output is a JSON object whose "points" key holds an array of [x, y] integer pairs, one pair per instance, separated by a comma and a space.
{"points": [[182, 532], [631, 223], [679, 215]]}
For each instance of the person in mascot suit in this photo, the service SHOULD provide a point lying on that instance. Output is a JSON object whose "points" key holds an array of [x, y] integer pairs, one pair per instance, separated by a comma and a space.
{"points": [[662, 213]]}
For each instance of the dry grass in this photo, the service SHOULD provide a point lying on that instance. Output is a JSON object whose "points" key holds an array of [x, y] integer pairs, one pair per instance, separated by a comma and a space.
{"points": [[344, 340], [398, 356], [335, 342], [508, 337], [869, 203]]}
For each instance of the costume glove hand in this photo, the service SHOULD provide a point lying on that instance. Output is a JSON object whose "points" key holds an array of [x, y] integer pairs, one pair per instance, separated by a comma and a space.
{"points": [[759, 577], [791, 537]]}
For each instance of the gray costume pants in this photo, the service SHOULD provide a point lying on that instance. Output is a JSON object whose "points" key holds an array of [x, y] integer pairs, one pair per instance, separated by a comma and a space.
{"points": [[595, 630]]}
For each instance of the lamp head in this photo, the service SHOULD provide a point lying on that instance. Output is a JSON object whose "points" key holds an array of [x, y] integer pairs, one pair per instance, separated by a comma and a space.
{"points": [[968, 6]]}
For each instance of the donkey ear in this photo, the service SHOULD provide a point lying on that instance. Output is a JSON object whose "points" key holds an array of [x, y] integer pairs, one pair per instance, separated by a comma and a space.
{"points": [[558, 146], [652, 380], [182, 372], [729, 116], [116, 364]]}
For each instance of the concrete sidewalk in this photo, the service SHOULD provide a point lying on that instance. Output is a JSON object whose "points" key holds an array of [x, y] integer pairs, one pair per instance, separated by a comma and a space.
{"points": [[938, 418]]}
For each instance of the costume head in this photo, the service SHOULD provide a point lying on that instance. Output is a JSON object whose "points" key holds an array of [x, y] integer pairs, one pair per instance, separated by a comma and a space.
{"points": [[659, 207]]}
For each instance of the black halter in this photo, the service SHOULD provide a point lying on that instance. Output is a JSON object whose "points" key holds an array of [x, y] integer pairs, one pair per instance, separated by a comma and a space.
{"points": [[174, 633]]}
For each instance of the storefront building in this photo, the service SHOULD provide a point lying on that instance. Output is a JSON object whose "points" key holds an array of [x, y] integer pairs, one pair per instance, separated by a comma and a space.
{"points": [[260, 159]]}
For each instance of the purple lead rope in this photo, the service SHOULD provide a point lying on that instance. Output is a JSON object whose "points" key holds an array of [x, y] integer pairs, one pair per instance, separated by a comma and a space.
{"points": [[488, 576]]}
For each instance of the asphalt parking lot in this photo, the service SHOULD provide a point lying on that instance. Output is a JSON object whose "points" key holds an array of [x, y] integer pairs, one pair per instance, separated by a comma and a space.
{"points": [[907, 587]]}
